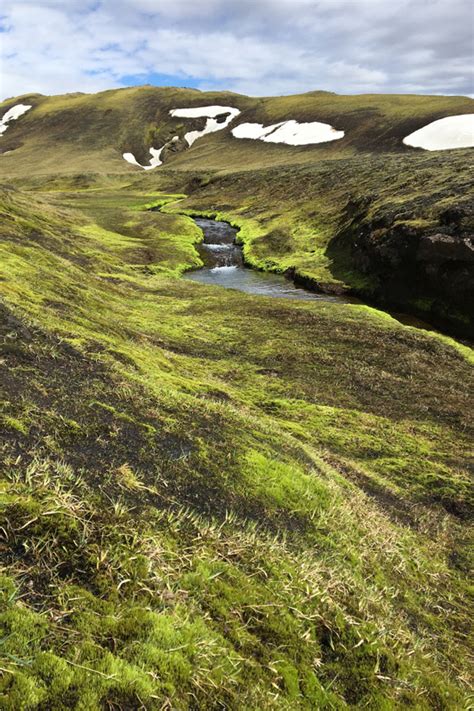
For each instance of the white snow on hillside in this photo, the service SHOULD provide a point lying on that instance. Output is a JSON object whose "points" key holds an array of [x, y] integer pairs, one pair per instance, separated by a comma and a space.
{"points": [[209, 112], [443, 134], [154, 162], [11, 115], [254, 130], [291, 132]]}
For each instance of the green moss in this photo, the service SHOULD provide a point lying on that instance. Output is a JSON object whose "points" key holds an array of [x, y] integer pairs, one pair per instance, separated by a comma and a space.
{"points": [[219, 500], [13, 424], [18, 690]]}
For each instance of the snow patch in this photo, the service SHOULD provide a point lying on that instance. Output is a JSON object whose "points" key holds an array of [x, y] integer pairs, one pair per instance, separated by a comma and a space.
{"points": [[130, 158], [11, 115], [209, 112], [254, 130], [291, 132], [154, 162], [204, 111], [302, 134], [155, 157], [443, 134]]}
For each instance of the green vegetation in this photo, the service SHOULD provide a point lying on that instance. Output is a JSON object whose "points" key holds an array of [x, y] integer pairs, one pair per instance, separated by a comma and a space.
{"points": [[211, 500]]}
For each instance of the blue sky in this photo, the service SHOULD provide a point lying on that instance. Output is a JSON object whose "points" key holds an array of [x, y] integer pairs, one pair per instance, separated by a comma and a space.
{"points": [[257, 47]]}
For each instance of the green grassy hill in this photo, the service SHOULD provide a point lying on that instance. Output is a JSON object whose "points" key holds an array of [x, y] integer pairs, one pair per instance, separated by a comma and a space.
{"points": [[212, 500]]}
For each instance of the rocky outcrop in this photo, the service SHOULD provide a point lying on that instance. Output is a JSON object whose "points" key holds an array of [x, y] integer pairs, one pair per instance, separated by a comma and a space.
{"points": [[427, 270], [439, 248], [176, 145]]}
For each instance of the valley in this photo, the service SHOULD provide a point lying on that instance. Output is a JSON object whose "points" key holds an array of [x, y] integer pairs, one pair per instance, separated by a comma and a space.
{"points": [[212, 497]]}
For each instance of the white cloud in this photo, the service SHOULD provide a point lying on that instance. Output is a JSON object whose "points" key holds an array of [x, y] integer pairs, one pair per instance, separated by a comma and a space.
{"points": [[252, 46]]}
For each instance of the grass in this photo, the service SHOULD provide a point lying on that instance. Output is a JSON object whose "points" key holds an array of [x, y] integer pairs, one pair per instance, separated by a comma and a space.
{"points": [[214, 500]]}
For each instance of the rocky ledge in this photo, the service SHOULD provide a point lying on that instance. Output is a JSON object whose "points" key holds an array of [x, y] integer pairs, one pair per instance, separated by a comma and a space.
{"points": [[425, 269]]}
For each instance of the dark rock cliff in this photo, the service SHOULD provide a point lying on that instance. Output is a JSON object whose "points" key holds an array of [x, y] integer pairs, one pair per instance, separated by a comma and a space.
{"points": [[428, 270]]}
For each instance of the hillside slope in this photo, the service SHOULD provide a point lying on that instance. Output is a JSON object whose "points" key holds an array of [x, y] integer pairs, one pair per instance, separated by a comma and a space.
{"points": [[90, 132], [215, 500], [211, 499]]}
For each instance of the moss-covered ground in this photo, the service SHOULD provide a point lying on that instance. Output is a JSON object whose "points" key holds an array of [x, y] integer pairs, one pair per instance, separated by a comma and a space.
{"points": [[213, 500]]}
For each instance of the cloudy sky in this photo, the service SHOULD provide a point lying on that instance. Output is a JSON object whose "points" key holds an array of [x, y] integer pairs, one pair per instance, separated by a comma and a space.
{"points": [[257, 47]]}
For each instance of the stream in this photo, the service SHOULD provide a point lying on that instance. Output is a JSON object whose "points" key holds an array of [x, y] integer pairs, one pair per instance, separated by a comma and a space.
{"points": [[224, 266]]}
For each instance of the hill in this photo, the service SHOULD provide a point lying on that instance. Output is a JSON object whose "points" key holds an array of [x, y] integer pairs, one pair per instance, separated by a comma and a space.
{"points": [[90, 132], [211, 499]]}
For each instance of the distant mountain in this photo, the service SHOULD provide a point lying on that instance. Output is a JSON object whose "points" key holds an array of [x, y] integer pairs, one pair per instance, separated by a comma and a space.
{"points": [[91, 132]]}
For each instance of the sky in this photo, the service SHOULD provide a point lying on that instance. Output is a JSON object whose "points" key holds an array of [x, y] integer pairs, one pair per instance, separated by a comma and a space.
{"points": [[255, 47]]}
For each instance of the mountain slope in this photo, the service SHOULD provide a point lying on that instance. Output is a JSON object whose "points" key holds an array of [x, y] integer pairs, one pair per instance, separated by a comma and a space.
{"points": [[215, 500], [84, 132]]}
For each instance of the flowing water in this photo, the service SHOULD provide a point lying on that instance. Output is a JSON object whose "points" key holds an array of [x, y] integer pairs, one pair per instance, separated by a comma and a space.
{"points": [[224, 266]]}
